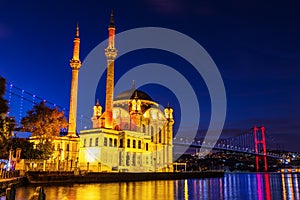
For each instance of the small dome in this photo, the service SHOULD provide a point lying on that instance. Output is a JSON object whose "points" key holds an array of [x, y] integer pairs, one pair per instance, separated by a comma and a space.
{"points": [[130, 94]]}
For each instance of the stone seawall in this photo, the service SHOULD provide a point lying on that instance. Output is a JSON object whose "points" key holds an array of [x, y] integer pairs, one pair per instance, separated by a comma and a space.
{"points": [[98, 177], [17, 181]]}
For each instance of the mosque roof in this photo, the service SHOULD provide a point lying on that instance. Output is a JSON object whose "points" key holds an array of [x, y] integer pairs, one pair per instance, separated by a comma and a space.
{"points": [[132, 93]]}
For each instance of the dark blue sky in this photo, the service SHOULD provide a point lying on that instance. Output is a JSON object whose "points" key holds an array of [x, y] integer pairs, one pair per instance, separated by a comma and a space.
{"points": [[254, 44]]}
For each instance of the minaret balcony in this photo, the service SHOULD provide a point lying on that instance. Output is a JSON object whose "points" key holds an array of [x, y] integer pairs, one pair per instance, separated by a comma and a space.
{"points": [[75, 64], [110, 53]]}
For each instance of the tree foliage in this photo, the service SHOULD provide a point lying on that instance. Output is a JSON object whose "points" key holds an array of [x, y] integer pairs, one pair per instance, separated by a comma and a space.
{"points": [[45, 124], [3, 102], [28, 150], [7, 123]]}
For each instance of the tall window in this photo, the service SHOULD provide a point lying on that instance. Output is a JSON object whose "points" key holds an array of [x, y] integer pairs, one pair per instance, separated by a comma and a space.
{"points": [[144, 128], [121, 143], [139, 144], [91, 141], [127, 159], [128, 143], [110, 142], [115, 142], [147, 147], [105, 141], [126, 126], [96, 142], [134, 159], [84, 143], [160, 136], [152, 130], [133, 143]]}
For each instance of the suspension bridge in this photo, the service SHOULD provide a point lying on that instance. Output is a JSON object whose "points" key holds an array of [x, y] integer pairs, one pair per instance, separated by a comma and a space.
{"points": [[20, 101]]}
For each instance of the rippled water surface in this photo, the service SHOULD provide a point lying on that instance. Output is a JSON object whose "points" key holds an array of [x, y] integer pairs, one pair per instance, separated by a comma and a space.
{"points": [[232, 186]]}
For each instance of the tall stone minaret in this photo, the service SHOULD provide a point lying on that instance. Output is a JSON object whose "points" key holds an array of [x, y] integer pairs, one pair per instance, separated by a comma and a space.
{"points": [[111, 54], [75, 64]]}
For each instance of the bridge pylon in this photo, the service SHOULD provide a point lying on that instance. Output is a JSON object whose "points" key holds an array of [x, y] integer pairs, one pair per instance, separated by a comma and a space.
{"points": [[260, 147]]}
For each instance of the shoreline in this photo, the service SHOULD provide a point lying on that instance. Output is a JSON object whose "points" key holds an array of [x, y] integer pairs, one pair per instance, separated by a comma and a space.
{"points": [[108, 177], [16, 181]]}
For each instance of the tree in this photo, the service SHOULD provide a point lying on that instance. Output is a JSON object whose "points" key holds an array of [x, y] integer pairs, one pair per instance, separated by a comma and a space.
{"points": [[45, 124], [28, 150], [3, 102], [7, 123]]}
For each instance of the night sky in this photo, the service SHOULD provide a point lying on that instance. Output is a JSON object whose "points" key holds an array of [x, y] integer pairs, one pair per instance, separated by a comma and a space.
{"points": [[254, 44]]}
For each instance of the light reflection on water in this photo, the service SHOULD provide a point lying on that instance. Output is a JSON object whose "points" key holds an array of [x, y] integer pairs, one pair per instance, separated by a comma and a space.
{"points": [[233, 186]]}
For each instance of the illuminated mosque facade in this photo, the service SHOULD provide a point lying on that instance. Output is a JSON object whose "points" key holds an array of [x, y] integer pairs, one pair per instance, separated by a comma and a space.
{"points": [[131, 135]]}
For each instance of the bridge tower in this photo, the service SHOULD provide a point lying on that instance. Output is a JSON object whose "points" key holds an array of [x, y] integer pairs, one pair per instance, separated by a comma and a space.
{"points": [[260, 147]]}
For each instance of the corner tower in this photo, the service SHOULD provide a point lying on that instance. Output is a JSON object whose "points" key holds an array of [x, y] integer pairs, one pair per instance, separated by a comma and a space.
{"points": [[75, 64], [111, 54]]}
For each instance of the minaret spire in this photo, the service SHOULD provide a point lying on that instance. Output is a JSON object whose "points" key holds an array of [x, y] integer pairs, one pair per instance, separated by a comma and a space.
{"points": [[75, 64], [112, 20], [111, 54], [133, 85], [76, 49], [77, 30]]}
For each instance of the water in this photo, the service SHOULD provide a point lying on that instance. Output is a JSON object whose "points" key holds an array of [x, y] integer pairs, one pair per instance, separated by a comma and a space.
{"points": [[233, 186]]}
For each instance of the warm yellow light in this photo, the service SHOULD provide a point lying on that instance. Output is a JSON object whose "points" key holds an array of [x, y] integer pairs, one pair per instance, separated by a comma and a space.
{"points": [[92, 155]]}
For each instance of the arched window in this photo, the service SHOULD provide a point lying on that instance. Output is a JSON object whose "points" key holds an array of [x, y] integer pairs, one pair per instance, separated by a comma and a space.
{"points": [[96, 142], [91, 141], [126, 126], [144, 128], [134, 159], [105, 141], [128, 159], [110, 142], [133, 143], [121, 143], [159, 136], [152, 130], [115, 142], [84, 143], [139, 144], [128, 143]]}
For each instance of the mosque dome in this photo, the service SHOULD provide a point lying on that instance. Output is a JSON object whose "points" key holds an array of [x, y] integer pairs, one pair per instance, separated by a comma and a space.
{"points": [[131, 94]]}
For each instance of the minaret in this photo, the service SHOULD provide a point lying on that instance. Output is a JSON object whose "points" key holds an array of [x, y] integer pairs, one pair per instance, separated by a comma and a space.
{"points": [[111, 54], [96, 119], [75, 64], [169, 123], [168, 137]]}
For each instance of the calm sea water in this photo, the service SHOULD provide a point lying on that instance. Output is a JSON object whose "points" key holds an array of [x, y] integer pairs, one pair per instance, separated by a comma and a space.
{"points": [[233, 186]]}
